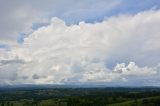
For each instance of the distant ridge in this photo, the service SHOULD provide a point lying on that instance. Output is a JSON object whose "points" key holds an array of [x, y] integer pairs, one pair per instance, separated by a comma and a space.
{"points": [[38, 86]]}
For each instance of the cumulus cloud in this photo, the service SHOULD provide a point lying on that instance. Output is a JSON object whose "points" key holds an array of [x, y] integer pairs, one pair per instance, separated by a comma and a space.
{"points": [[61, 54], [21, 17]]}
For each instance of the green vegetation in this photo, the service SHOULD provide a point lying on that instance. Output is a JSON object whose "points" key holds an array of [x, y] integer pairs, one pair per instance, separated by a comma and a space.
{"points": [[80, 97], [150, 101]]}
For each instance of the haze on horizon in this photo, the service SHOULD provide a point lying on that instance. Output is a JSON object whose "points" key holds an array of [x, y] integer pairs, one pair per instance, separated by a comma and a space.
{"points": [[108, 42]]}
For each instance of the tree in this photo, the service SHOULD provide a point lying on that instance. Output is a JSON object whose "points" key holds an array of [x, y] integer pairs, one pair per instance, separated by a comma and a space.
{"points": [[8, 103], [2, 104], [12, 104]]}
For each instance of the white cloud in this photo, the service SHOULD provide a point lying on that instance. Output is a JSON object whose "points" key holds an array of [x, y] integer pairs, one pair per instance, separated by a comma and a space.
{"points": [[20, 16], [58, 53]]}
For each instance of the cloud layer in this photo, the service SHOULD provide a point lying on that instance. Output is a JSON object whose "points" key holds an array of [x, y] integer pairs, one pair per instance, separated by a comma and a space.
{"points": [[20, 17], [84, 52]]}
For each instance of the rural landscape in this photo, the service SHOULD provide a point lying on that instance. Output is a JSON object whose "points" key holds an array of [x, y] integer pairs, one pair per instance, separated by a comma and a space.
{"points": [[79, 52], [109, 96]]}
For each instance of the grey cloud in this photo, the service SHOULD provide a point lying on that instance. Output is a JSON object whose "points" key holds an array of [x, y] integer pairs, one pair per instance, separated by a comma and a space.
{"points": [[35, 76], [16, 61], [14, 77], [24, 77]]}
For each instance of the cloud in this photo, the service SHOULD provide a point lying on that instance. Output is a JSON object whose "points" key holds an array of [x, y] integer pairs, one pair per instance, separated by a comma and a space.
{"points": [[21, 16], [121, 72], [4, 62], [80, 53]]}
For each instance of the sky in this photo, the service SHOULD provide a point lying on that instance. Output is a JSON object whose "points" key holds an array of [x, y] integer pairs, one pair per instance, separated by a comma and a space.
{"points": [[80, 42]]}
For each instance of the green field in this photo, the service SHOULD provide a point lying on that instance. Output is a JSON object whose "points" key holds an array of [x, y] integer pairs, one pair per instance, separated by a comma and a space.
{"points": [[139, 102]]}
